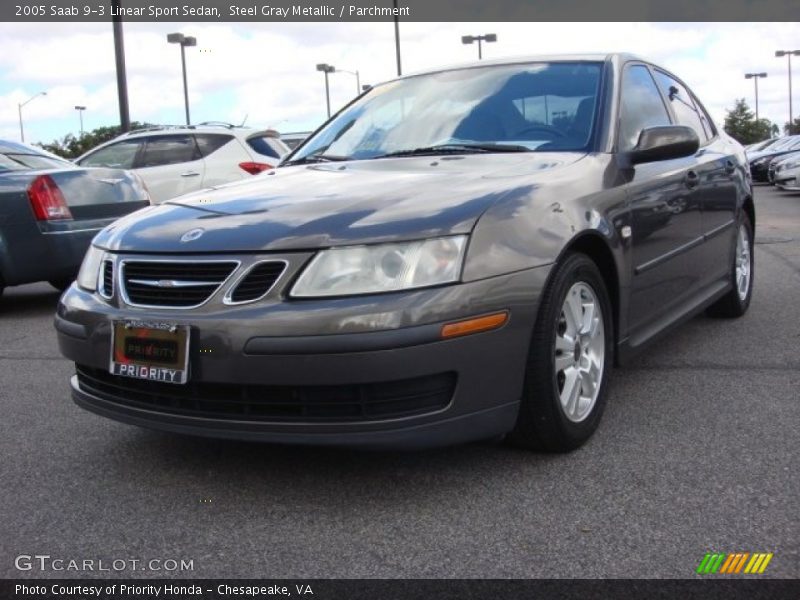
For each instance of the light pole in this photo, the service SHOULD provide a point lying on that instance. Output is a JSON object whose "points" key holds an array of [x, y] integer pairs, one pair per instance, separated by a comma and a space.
{"points": [[469, 39], [80, 110], [184, 41], [358, 78], [397, 39], [755, 77], [788, 55], [19, 109], [326, 68]]}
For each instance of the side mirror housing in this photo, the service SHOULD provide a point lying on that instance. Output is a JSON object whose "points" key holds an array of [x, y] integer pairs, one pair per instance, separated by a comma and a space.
{"points": [[664, 143]]}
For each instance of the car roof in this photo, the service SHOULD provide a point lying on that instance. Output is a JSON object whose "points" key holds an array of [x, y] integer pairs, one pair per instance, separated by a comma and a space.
{"points": [[514, 60], [211, 127]]}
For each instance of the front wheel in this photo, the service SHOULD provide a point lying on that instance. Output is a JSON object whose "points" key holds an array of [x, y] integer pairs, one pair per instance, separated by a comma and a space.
{"points": [[569, 360], [736, 302]]}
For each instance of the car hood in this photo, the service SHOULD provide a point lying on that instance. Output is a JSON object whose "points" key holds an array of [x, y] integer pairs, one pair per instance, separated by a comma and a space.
{"points": [[330, 204]]}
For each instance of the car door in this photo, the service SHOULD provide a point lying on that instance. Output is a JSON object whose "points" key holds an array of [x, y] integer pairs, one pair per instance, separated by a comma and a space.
{"points": [[665, 215], [170, 165], [715, 187]]}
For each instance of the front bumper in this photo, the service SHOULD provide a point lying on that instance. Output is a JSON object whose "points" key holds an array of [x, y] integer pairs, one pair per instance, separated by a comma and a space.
{"points": [[788, 179], [230, 349]]}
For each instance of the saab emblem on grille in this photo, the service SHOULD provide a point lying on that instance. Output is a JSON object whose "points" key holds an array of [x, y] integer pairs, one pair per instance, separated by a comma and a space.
{"points": [[192, 235]]}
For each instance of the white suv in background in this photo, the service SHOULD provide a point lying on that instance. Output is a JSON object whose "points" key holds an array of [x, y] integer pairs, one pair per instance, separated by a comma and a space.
{"points": [[176, 160]]}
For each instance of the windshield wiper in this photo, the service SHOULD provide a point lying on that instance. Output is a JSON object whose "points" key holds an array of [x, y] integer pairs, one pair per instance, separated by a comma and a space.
{"points": [[316, 158], [457, 149]]}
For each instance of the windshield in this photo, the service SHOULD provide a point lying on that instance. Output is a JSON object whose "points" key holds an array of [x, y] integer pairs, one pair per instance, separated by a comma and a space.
{"points": [[533, 107]]}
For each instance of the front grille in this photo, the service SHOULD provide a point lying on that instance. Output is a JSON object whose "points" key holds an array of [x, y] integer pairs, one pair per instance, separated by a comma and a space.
{"points": [[258, 281], [107, 286], [340, 403], [173, 284]]}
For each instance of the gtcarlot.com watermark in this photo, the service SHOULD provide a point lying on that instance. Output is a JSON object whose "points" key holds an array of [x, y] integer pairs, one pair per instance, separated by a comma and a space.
{"points": [[45, 562]]}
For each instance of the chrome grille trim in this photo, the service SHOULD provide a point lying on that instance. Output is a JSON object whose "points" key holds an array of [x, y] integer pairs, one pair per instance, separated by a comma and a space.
{"points": [[214, 286], [228, 298], [105, 286]]}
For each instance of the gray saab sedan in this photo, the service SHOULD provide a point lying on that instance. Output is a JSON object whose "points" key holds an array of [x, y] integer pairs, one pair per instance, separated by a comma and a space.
{"points": [[456, 255]]}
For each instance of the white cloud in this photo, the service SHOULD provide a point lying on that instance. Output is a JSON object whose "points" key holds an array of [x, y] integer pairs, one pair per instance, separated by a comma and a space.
{"points": [[267, 71]]}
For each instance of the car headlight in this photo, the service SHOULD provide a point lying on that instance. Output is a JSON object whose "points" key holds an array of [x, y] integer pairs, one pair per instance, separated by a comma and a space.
{"points": [[790, 165], [354, 270], [90, 269]]}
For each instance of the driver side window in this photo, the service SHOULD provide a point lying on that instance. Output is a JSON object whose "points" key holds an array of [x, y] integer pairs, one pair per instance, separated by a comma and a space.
{"points": [[641, 106]]}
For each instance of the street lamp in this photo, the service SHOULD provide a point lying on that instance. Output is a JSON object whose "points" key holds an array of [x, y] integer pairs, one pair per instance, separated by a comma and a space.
{"points": [[184, 41], [19, 109], [397, 39], [788, 55], [326, 68], [80, 110], [755, 77], [469, 39], [358, 78]]}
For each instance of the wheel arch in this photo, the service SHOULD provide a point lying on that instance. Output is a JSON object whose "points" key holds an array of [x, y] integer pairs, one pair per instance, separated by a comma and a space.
{"points": [[595, 246], [749, 207]]}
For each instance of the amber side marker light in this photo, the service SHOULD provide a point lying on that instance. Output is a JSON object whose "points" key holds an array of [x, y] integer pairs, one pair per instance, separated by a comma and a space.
{"points": [[475, 325]]}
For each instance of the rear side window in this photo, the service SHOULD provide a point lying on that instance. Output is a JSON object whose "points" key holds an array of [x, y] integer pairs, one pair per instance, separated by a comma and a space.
{"points": [[682, 103], [210, 142], [262, 146], [120, 155], [169, 150], [641, 106]]}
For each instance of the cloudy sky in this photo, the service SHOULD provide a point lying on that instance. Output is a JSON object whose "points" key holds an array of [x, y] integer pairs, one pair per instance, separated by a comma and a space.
{"points": [[265, 72]]}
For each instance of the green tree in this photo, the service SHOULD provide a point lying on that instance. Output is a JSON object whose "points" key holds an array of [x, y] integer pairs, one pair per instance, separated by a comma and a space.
{"points": [[792, 128], [741, 124], [71, 146]]}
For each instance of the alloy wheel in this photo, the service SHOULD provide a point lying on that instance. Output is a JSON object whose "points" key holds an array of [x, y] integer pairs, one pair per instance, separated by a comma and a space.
{"points": [[580, 349]]}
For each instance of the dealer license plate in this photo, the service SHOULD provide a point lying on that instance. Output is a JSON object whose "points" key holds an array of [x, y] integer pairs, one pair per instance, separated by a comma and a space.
{"points": [[151, 351]]}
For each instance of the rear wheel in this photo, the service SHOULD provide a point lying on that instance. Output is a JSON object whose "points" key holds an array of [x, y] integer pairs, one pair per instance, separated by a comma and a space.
{"points": [[736, 302], [569, 360]]}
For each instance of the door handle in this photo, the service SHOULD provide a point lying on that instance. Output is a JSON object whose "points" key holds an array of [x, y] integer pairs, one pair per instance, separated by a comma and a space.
{"points": [[190, 174], [692, 180], [729, 167]]}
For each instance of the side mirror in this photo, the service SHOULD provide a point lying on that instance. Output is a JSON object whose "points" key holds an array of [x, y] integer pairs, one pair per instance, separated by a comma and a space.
{"points": [[664, 143]]}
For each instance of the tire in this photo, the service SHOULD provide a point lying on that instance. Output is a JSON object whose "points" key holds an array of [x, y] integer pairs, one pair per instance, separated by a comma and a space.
{"points": [[61, 284], [736, 302], [546, 422]]}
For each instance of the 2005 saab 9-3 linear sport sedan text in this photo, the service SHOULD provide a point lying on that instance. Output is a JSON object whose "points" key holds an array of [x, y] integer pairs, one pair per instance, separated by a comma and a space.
{"points": [[455, 255]]}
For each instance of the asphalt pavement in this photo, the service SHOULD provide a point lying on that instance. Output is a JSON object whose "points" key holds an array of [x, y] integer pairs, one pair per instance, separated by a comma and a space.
{"points": [[698, 451]]}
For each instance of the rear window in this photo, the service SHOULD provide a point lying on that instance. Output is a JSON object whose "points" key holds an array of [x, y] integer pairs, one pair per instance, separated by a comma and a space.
{"points": [[263, 145], [25, 162], [210, 142]]}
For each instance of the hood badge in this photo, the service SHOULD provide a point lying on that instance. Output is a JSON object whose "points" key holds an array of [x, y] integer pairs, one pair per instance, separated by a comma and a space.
{"points": [[192, 235]]}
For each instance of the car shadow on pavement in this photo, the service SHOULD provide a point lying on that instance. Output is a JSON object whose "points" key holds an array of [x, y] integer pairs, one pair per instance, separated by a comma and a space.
{"points": [[257, 470], [28, 301]]}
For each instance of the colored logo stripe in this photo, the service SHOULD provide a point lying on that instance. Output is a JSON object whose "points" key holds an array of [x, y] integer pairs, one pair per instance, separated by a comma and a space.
{"points": [[734, 562]]}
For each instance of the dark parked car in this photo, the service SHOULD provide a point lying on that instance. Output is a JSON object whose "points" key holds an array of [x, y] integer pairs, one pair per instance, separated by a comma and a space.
{"points": [[455, 255], [50, 210], [760, 161]]}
